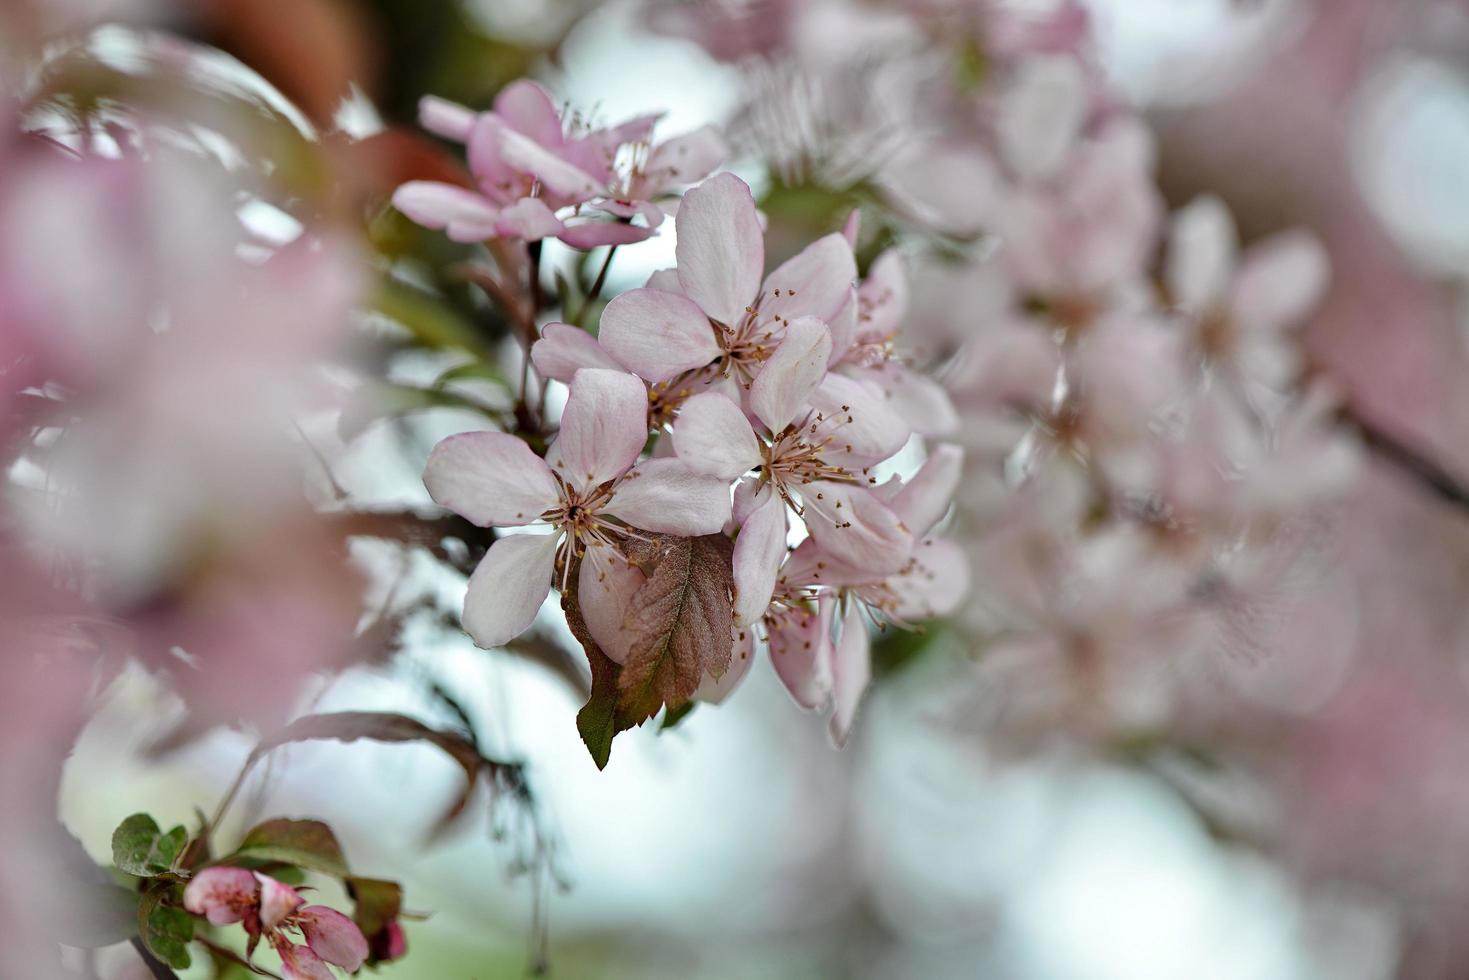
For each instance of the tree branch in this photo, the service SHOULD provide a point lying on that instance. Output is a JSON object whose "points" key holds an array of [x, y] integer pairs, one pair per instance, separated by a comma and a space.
{"points": [[411, 528], [1431, 474]]}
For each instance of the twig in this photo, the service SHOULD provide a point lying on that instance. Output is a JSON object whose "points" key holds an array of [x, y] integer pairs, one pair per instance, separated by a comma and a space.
{"points": [[411, 528], [228, 798], [530, 334], [596, 290], [338, 491], [224, 952], [1418, 465], [159, 970]]}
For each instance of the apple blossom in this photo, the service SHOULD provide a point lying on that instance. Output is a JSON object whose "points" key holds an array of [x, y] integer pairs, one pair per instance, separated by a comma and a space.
{"points": [[1240, 308], [714, 315], [538, 175], [591, 490], [275, 911]]}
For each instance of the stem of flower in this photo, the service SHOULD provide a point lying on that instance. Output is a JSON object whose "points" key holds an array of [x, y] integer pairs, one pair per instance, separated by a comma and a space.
{"points": [[596, 291], [224, 952], [229, 796]]}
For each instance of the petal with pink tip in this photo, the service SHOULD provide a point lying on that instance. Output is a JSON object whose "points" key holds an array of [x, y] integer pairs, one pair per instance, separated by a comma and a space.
{"points": [[780, 391], [720, 247], [666, 280], [814, 282], [952, 188], [277, 900], [390, 944], [603, 427], [934, 583], [920, 401], [684, 160], [491, 479], [1280, 280], [446, 119], [810, 566], [758, 552], [564, 181], [665, 496], [300, 963], [528, 219], [508, 588], [592, 233], [497, 179], [749, 493], [333, 936], [1042, 115], [844, 327], [527, 108], [855, 527], [862, 428], [851, 671], [658, 334], [564, 350], [222, 895], [1202, 250], [852, 227], [926, 498], [800, 650], [713, 437], [605, 587], [884, 298], [462, 214], [716, 690]]}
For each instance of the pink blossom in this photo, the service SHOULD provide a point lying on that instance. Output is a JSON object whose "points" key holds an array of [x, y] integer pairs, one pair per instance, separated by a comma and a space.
{"points": [[537, 176], [224, 896], [874, 355], [714, 312], [810, 460], [275, 911], [1240, 308], [589, 490], [1082, 221]]}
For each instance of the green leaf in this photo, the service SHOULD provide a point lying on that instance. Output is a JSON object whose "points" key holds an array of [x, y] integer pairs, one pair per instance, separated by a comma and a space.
{"points": [[897, 650], [675, 716], [599, 720], [306, 844], [433, 322], [165, 929], [473, 371], [141, 849]]}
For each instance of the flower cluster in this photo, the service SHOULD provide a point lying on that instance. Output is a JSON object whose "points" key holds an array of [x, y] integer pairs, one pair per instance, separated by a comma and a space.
{"points": [[275, 912], [1147, 456], [772, 402], [537, 175]]}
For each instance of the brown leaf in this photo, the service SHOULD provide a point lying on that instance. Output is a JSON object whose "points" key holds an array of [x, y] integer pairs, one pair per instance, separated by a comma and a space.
{"points": [[349, 726], [681, 621]]}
